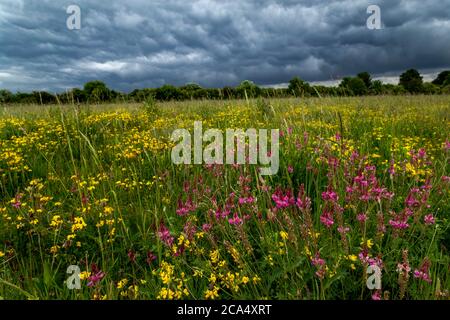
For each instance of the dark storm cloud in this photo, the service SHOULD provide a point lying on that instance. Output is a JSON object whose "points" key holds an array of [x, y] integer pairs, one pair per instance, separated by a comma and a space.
{"points": [[136, 43]]}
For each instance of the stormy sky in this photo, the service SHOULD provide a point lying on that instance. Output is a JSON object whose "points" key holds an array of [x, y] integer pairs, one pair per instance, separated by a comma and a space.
{"points": [[147, 43]]}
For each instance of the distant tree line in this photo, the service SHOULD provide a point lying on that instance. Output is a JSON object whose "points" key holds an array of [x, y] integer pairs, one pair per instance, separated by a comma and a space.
{"points": [[411, 82]]}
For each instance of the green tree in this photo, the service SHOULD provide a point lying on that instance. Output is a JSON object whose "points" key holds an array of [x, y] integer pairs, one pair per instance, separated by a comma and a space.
{"points": [[376, 87], [97, 91], [298, 87], [6, 96], [192, 91], [248, 87], [447, 81], [442, 78], [365, 76], [430, 88], [168, 92], [78, 95], [355, 86], [412, 81]]}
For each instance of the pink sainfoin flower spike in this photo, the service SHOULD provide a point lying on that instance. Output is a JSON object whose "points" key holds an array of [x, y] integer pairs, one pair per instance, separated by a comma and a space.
{"points": [[283, 200], [343, 229], [131, 255], [423, 272], [206, 227], [319, 263], [377, 295], [429, 219], [165, 236], [330, 195], [327, 219], [400, 220], [185, 208], [235, 220], [96, 277], [150, 257], [447, 145], [16, 202], [303, 202], [362, 217], [244, 200]]}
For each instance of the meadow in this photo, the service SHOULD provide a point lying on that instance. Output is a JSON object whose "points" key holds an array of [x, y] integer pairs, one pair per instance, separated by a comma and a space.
{"points": [[362, 182]]}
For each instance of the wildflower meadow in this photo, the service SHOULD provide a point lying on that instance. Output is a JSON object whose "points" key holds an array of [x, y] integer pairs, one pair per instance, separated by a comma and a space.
{"points": [[93, 207]]}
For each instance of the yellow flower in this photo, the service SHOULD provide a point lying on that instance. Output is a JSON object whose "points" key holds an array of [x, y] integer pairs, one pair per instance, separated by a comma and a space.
{"points": [[245, 280], [369, 243], [212, 278], [71, 237], [256, 279], [214, 255], [54, 249], [2, 254], [78, 224], [284, 235], [212, 294], [199, 235], [56, 221], [352, 257], [84, 275], [122, 283]]}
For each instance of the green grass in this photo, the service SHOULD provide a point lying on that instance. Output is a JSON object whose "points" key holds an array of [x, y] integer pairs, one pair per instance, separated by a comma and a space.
{"points": [[110, 165]]}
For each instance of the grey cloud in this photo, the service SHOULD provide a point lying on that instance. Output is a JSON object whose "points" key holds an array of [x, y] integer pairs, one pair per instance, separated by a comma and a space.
{"points": [[136, 43]]}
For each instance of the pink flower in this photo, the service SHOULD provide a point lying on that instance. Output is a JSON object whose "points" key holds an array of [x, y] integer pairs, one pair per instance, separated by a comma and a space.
{"points": [[327, 219], [330, 195], [283, 200], [303, 202], [150, 257], [235, 220], [132, 256], [17, 204], [422, 275], [399, 224], [423, 272], [343, 229], [206, 227], [376, 296], [317, 261], [338, 136], [185, 208], [403, 268], [244, 200], [429, 219], [447, 145], [362, 217], [165, 236], [96, 277], [290, 169]]}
